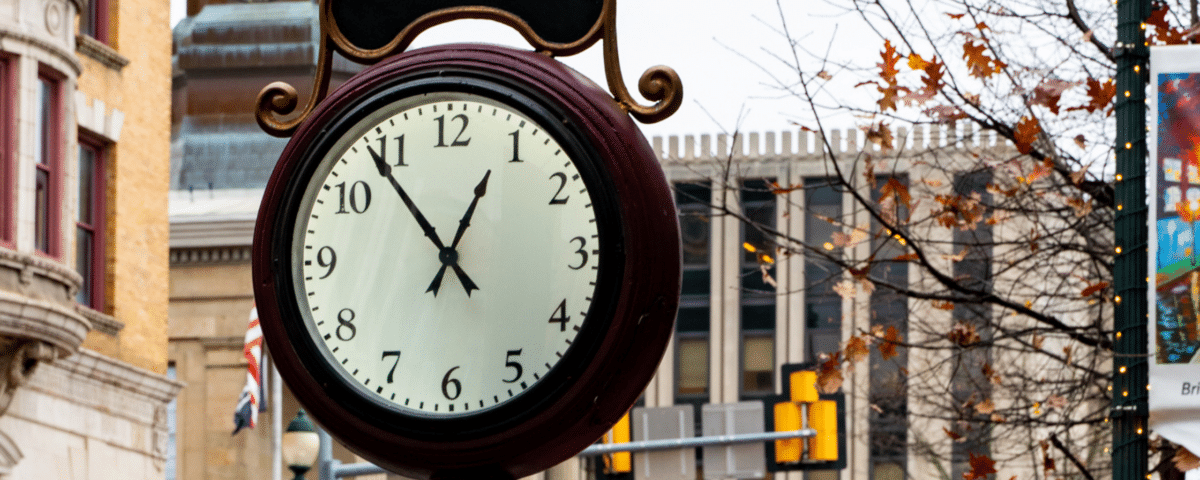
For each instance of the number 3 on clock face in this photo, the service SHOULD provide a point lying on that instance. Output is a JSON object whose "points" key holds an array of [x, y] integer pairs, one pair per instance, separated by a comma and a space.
{"points": [[446, 253]]}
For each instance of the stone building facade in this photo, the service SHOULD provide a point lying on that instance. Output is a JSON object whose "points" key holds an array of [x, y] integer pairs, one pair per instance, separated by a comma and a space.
{"points": [[84, 94]]}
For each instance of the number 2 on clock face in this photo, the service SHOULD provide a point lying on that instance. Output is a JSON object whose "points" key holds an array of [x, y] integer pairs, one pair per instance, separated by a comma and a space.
{"points": [[446, 254]]}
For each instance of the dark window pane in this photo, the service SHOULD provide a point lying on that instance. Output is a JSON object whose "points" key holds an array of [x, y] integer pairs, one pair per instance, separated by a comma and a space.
{"points": [[696, 282], [87, 162], [823, 313], [83, 264], [42, 211], [692, 319], [45, 122], [758, 318]]}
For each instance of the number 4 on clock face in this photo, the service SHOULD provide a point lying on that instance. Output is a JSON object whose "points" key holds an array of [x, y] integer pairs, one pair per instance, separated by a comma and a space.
{"points": [[449, 250]]}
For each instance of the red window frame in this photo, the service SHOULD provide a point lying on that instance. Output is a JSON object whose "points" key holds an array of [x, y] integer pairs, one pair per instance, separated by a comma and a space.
{"points": [[93, 22], [47, 212], [91, 222], [8, 154]]}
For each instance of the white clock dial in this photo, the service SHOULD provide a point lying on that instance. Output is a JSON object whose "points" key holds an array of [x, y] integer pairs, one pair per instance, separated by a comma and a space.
{"points": [[446, 254]]}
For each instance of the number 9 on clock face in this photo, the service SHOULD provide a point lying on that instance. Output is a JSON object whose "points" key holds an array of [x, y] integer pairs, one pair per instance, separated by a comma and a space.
{"points": [[446, 253]]}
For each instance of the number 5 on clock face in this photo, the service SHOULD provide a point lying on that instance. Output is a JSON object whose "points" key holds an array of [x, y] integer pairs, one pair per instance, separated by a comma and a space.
{"points": [[446, 253]]}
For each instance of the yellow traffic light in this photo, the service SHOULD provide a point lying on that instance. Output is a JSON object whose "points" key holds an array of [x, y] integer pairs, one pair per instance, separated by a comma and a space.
{"points": [[787, 419], [618, 462], [822, 417], [803, 386]]}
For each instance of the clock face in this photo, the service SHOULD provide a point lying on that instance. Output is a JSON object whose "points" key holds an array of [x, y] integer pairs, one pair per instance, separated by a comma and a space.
{"points": [[445, 254]]}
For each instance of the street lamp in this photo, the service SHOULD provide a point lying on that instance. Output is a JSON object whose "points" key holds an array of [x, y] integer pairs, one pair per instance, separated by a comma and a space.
{"points": [[300, 444]]}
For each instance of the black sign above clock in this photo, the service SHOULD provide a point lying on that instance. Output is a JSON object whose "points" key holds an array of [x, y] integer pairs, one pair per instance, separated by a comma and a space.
{"points": [[371, 24]]}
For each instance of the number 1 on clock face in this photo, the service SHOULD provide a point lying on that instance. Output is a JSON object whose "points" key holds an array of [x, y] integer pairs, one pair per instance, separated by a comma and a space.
{"points": [[447, 254]]}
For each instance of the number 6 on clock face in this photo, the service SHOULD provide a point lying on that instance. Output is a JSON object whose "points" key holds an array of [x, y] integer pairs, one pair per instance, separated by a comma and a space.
{"points": [[433, 241]]}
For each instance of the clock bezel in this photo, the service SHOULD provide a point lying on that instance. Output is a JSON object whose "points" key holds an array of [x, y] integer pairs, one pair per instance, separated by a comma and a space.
{"points": [[625, 345], [304, 336]]}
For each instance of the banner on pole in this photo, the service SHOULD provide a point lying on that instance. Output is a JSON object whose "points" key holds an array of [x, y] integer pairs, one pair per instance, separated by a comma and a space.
{"points": [[1174, 201]]}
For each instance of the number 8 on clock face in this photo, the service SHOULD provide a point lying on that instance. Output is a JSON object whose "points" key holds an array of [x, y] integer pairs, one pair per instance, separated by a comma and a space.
{"points": [[446, 253]]}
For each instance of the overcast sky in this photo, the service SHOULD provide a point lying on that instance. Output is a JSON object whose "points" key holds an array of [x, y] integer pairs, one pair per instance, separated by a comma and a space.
{"points": [[707, 42]]}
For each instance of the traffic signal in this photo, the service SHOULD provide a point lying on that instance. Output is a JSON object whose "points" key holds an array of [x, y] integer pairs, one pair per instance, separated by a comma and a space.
{"points": [[802, 406], [618, 462]]}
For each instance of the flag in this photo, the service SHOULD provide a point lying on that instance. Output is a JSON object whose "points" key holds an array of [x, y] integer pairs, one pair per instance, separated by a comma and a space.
{"points": [[246, 413]]}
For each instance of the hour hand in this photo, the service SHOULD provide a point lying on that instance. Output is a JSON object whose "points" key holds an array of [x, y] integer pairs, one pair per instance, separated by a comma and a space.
{"points": [[449, 255]]}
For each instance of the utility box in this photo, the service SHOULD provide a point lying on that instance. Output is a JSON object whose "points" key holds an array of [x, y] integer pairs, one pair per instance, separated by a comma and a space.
{"points": [[745, 460], [665, 423]]}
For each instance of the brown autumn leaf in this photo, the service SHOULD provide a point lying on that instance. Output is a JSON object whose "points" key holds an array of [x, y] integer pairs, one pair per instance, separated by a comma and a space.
{"points": [[985, 407], [963, 335], [887, 348], [896, 189], [1081, 142], [908, 257], [1087, 36], [1185, 460], [958, 257], [953, 435], [944, 113], [829, 375], [1093, 289], [887, 68], [856, 350], [1056, 401], [998, 418], [980, 64], [992, 375], [940, 305], [845, 289], [955, 16], [1049, 92], [778, 189], [1038, 340], [981, 467], [1025, 134], [1100, 96], [880, 134], [823, 75]]}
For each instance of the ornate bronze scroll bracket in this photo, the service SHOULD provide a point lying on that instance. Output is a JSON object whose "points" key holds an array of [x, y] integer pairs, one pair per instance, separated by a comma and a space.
{"points": [[276, 101]]}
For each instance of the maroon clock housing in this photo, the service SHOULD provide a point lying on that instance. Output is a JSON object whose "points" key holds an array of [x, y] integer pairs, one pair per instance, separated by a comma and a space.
{"points": [[613, 344]]}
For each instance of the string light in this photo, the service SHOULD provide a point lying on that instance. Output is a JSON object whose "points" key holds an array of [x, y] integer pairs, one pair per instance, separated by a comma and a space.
{"points": [[1126, 394], [1120, 177], [1137, 68], [1117, 299], [1118, 335], [1122, 369], [1128, 145], [1118, 249], [1120, 207]]}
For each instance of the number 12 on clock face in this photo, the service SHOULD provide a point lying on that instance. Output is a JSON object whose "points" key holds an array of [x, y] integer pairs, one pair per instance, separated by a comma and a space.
{"points": [[446, 253]]}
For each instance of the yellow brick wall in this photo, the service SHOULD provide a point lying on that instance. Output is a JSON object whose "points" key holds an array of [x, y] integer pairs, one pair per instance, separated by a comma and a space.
{"points": [[139, 170]]}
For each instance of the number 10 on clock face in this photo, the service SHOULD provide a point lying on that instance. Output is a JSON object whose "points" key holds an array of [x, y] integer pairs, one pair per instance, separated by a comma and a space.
{"points": [[446, 253]]}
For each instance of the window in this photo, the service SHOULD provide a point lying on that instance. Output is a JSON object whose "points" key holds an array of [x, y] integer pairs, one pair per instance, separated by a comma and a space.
{"points": [[48, 152], [758, 293], [8, 166], [93, 20], [89, 225], [822, 305], [692, 326], [975, 270], [888, 394]]}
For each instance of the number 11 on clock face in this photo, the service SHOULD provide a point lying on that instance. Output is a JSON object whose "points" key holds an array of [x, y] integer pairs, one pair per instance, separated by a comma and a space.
{"points": [[446, 253]]}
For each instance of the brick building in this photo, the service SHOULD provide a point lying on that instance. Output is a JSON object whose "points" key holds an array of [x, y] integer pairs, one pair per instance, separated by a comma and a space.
{"points": [[83, 238]]}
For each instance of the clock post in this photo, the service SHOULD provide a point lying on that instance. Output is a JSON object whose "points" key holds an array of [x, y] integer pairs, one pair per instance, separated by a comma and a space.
{"points": [[463, 259]]}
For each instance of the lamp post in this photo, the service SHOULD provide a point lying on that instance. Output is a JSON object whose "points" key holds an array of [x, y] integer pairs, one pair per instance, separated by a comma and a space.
{"points": [[300, 444]]}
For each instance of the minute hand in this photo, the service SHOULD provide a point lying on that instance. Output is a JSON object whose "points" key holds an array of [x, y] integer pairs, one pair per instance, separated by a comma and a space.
{"points": [[385, 170]]}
